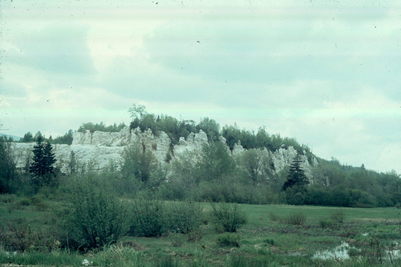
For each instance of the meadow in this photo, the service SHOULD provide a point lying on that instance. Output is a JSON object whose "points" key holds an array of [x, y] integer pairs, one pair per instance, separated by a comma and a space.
{"points": [[274, 235]]}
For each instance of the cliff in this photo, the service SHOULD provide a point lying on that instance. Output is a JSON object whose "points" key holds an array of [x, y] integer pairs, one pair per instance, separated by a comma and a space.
{"points": [[100, 150]]}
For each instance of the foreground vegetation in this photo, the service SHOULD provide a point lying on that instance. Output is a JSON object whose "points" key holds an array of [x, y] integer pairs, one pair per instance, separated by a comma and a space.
{"points": [[273, 235]]}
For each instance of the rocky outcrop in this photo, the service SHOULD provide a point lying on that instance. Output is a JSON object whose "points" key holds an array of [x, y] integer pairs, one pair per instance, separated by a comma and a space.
{"points": [[87, 157], [281, 158], [101, 150], [193, 142]]}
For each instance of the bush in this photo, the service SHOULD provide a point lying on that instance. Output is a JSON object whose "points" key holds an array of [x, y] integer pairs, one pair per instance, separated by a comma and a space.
{"points": [[227, 218], [324, 223], [19, 236], [228, 240], [139, 163], [274, 217], [154, 218], [338, 217], [334, 220], [269, 241], [296, 219], [7, 198], [96, 218], [148, 218], [184, 217]]}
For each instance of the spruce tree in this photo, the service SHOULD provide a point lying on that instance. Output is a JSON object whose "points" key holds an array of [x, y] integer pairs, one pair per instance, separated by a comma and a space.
{"points": [[8, 173], [42, 169], [296, 175], [295, 186], [49, 158]]}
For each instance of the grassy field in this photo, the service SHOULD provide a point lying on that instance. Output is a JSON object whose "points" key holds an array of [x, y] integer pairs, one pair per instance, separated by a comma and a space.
{"points": [[275, 235]]}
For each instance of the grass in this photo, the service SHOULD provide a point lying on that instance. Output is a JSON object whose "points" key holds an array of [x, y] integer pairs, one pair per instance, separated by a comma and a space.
{"points": [[263, 241]]}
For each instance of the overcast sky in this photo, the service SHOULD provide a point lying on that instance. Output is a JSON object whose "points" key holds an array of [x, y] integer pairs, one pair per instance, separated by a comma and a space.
{"points": [[327, 73]]}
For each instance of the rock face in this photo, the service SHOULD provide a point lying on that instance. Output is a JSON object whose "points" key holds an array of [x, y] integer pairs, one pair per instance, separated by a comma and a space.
{"points": [[282, 158], [101, 150]]}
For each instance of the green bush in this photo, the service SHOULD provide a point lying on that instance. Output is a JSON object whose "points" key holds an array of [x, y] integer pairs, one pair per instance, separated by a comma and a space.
{"points": [[228, 240], [324, 223], [227, 218], [18, 235], [334, 220], [138, 163], [338, 217], [195, 235], [7, 198], [96, 218], [148, 218], [184, 217], [155, 218], [274, 217], [295, 219], [269, 241]]}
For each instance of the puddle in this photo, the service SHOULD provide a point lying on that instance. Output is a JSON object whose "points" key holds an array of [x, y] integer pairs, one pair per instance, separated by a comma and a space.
{"points": [[341, 253], [338, 253]]}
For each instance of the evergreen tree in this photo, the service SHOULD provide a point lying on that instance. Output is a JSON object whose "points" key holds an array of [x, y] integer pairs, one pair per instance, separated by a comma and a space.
{"points": [[295, 186], [28, 137], [49, 158], [8, 172], [42, 168], [296, 175]]}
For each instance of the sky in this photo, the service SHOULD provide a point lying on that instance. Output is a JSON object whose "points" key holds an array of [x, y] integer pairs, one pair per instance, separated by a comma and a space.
{"points": [[326, 73]]}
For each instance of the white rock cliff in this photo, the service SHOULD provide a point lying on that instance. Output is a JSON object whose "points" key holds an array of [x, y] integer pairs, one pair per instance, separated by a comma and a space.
{"points": [[100, 150]]}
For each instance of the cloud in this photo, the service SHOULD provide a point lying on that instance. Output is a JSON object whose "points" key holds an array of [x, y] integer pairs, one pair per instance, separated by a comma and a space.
{"points": [[53, 49], [11, 89], [290, 45]]}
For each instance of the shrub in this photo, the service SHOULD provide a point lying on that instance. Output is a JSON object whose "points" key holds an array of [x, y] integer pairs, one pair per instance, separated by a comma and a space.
{"points": [[148, 218], [19, 236], [7, 198], [274, 217], [324, 223], [227, 218], [195, 235], [269, 241], [228, 240], [338, 217], [96, 218], [184, 217], [154, 218], [139, 163], [334, 220], [296, 219]]}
